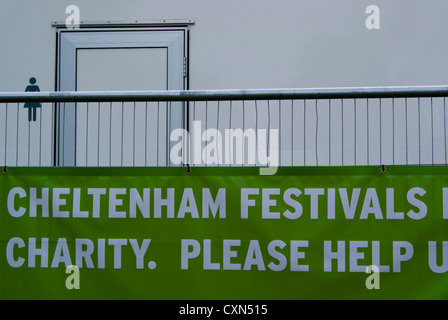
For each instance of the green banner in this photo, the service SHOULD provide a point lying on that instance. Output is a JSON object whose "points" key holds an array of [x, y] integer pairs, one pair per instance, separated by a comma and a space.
{"points": [[224, 233]]}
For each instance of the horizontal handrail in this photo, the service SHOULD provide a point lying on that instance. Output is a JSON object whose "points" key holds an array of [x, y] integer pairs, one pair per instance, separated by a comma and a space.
{"points": [[239, 94]]}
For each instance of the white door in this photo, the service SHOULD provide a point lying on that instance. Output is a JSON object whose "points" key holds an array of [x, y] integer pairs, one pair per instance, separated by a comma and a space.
{"points": [[118, 133]]}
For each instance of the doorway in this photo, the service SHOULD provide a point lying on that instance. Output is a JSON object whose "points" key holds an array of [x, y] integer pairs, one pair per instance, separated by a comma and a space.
{"points": [[119, 59]]}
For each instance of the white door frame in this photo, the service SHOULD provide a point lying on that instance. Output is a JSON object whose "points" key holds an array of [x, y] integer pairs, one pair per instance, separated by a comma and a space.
{"points": [[175, 39]]}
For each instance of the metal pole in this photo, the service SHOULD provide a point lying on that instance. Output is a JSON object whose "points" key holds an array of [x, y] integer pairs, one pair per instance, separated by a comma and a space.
{"points": [[215, 95]]}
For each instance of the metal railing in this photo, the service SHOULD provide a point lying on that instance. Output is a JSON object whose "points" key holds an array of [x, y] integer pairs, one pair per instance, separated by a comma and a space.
{"points": [[315, 127]]}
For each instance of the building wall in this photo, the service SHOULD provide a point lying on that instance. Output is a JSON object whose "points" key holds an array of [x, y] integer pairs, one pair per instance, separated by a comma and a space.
{"points": [[253, 44]]}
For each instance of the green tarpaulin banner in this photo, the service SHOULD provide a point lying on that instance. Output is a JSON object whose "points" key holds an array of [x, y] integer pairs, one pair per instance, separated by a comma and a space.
{"points": [[224, 233]]}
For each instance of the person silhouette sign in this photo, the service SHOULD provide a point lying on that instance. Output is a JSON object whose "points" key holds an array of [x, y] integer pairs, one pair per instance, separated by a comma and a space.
{"points": [[32, 106]]}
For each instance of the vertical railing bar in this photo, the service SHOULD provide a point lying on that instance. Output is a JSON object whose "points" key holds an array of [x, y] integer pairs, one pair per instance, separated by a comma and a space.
{"points": [[87, 132], [393, 131], [381, 132], [98, 154], [157, 133], [167, 130], [242, 145], [342, 129], [17, 137], [186, 142], [122, 132], [40, 135], [368, 129], [230, 115], [110, 134], [62, 147], [133, 139], [6, 131], [186, 127], [230, 127], [444, 126], [304, 132], [329, 132], [206, 125], [406, 126], [269, 134], [256, 132], [29, 141], [432, 134], [280, 129], [317, 131], [356, 129], [52, 136], [57, 134], [292, 133], [217, 129], [146, 133], [75, 135], [193, 145], [419, 136]]}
